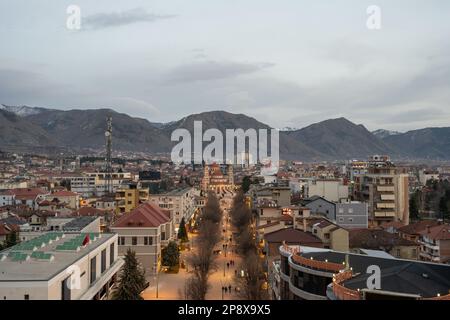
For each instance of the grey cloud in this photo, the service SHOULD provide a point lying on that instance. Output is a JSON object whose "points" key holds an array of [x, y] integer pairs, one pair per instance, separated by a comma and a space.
{"points": [[114, 19], [212, 70]]}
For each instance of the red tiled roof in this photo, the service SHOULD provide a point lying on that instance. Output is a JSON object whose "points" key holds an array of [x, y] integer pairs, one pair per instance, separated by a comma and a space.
{"points": [[440, 232], [291, 235], [64, 193], [394, 224], [88, 211], [147, 215], [418, 227], [28, 193], [375, 239]]}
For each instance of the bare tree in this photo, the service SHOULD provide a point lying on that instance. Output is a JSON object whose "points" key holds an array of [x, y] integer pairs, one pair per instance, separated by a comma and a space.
{"points": [[253, 279], [212, 210]]}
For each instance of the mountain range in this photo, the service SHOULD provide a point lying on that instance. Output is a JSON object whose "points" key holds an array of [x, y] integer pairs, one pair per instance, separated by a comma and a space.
{"points": [[333, 139]]}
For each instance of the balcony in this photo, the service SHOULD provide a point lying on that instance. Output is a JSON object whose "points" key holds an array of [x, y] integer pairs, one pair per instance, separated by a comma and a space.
{"points": [[385, 188], [384, 214]]}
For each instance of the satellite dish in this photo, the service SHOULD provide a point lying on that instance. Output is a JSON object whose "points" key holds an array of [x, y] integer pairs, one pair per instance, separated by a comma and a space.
{"points": [[107, 134]]}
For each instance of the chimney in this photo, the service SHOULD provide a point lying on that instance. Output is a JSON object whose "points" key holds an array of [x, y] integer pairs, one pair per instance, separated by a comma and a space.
{"points": [[428, 229], [347, 263]]}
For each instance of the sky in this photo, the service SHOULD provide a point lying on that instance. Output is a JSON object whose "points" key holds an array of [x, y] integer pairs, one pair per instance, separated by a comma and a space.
{"points": [[287, 63]]}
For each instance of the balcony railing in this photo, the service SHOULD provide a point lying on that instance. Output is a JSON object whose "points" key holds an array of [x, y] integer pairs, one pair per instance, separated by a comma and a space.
{"points": [[318, 265], [341, 292]]}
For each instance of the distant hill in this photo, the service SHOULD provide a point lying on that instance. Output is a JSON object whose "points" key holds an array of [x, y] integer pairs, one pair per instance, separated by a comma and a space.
{"points": [[334, 139], [85, 129], [341, 139], [428, 143], [16, 131]]}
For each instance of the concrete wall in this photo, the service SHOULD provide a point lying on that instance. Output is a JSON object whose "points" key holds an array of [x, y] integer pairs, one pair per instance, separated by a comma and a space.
{"points": [[352, 215], [324, 207]]}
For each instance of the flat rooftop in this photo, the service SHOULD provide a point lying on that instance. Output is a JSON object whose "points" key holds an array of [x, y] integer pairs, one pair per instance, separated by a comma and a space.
{"points": [[42, 258]]}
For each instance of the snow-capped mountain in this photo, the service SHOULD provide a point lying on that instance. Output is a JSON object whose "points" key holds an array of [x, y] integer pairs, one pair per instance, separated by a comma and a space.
{"points": [[22, 111]]}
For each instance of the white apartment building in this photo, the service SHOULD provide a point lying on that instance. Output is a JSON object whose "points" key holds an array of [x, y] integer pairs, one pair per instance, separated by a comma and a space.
{"points": [[94, 183], [180, 202], [60, 266]]}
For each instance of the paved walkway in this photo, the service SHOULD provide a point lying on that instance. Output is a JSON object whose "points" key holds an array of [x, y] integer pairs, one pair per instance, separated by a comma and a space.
{"points": [[172, 286]]}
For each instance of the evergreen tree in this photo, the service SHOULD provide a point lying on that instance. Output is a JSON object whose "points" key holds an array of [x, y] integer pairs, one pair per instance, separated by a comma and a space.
{"points": [[11, 239], [182, 233], [444, 207], [414, 205], [131, 279], [246, 182], [171, 255]]}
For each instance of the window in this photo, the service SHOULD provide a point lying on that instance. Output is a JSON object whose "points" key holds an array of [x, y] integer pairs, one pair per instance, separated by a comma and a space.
{"points": [[163, 235], [350, 210], [93, 269], [350, 219], [134, 241], [103, 262], [65, 289], [398, 252], [111, 254], [148, 241], [341, 219], [27, 297], [121, 241], [341, 210]]}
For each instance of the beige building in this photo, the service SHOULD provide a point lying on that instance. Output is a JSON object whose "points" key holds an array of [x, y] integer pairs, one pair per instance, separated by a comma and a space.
{"points": [[60, 266], [386, 190], [145, 230], [129, 196], [71, 199], [333, 190], [332, 236]]}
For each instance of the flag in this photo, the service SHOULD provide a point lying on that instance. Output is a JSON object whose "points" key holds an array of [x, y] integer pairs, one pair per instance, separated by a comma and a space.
{"points": [[86, 240]]}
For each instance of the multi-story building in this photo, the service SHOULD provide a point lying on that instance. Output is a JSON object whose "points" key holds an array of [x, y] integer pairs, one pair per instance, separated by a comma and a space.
{"points": [[145, 230], [435, 244], [181, 203], [320, 274], [333, 190], [385, 188], [129, 196], [60, 266], [29, 196], [94, 183], [7, 198], [71, 199], [349, 214]]}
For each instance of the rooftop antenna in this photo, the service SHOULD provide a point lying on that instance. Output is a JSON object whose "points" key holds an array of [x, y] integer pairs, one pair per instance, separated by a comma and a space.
{"points": [[108, 159]]}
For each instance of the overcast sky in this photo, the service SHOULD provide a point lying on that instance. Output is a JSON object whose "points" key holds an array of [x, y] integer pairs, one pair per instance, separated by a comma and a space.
{"points": [[286, 63]]}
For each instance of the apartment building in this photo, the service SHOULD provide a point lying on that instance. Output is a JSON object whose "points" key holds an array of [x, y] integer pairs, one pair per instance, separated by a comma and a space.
{"points": [[60, 266], [129, 196], [386, 190], [94, 184], [71, 199], [145, 230], [181, 203], [333, 190], [435, 244]]}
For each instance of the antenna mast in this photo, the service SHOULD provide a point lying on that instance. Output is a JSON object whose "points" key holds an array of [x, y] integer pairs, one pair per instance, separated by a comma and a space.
{"points": [[108, 159]]}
